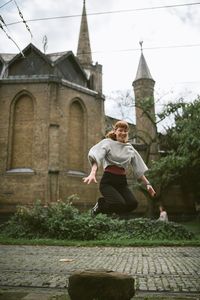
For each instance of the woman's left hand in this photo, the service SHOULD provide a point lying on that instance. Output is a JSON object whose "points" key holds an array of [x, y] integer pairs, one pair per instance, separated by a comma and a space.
{"points": [[150, 190]]}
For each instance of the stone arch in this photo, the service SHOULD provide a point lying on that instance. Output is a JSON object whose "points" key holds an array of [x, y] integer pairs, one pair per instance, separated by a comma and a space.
{"points": [[21, 133], [77, 129]]}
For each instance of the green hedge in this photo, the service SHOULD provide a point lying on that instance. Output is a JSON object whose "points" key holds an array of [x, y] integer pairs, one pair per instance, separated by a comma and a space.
{"points": [[61, 220]]}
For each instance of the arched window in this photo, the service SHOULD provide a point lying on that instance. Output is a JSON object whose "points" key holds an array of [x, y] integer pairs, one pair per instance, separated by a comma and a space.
{"points": [[76, 137], [22, 133]]}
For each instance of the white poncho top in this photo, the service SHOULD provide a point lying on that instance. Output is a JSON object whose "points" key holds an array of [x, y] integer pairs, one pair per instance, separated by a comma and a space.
{"points": [[109, 152]]}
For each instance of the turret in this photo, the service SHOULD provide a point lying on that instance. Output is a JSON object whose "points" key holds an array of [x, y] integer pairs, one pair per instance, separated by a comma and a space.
{"points": [[84, 54], [145, 107]]}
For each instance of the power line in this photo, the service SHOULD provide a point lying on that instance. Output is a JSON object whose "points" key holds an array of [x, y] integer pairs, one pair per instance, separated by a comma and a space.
{"points": [[23, 20], [9, 37], [137, 49], [6, 3], [108, 12], [148, 48], [4, 27]]}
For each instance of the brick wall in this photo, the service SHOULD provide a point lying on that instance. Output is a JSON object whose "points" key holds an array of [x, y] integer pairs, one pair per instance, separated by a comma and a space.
{"points": [[46, 130]]}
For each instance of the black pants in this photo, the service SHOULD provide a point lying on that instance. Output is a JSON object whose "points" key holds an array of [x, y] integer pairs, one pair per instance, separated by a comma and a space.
{"points": [[117, 197]]}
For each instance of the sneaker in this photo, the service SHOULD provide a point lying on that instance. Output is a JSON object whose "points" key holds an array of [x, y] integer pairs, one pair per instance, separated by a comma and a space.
{"points": [[95, 210]]}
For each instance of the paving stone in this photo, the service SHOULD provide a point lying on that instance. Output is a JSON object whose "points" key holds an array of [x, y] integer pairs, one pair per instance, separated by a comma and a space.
{"points": [[154, 269]]}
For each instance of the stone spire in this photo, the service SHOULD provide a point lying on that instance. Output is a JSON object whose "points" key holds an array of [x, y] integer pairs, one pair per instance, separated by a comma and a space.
{"points": [[143, 70], [145, 108], [84, 51]]}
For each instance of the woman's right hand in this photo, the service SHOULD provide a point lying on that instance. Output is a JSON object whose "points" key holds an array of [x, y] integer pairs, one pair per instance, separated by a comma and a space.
{"points": [[90, 178]]}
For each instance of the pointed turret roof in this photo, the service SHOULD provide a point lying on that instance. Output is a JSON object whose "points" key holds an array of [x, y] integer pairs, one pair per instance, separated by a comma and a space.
{"points": [[143, 69], [84, 50]]}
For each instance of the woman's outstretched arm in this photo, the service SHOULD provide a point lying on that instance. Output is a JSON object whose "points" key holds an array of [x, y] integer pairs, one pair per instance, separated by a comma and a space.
{"points": [[149, 187], [92, 176]]}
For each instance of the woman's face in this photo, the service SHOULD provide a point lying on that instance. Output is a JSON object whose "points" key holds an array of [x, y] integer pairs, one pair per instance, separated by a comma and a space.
{"points": [[121, 134]]}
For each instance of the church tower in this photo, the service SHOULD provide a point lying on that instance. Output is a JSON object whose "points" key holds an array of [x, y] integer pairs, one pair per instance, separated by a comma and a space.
{"points": [[84, 54], [84, 50], [145, 108]]}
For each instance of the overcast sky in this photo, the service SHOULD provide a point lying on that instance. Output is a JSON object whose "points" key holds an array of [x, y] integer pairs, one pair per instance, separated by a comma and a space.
{"points": [[170, 35]]}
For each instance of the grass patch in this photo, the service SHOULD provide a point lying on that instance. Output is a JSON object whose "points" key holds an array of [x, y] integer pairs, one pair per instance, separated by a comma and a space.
{"points": [[114, 243], [61, 224]]}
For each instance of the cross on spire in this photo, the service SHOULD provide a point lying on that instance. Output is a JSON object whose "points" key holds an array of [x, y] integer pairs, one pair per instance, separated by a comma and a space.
{"points": [[141, 42]]}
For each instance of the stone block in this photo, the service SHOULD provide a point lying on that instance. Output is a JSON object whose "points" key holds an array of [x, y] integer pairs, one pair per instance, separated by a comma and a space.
{"points": [[100, 285]]}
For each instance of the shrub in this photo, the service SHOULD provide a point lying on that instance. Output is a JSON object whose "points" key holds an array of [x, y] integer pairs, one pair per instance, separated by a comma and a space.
{"points": [[63, 221], [143, 228]]}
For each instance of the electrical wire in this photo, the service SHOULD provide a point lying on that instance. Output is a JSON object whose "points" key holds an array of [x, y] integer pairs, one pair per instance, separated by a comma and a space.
{"points": [[2, 27], [108, 12], [138, 49], [103, 13], [6, 3], [10, 38], [23, 20]]}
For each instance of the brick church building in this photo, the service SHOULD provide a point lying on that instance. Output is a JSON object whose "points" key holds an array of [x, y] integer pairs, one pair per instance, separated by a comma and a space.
{"points": [[51, 113]]}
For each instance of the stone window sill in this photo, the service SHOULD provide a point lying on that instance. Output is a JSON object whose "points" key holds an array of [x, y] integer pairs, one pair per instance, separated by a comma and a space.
{"points": [[21, 171], [76, 173]]}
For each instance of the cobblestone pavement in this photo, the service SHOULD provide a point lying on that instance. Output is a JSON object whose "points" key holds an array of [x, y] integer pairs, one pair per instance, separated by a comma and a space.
{"points": [[169, 269]]}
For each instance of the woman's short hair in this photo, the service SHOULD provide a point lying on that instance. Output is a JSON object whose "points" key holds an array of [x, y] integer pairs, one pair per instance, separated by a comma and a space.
{"points": [[119, 124]]}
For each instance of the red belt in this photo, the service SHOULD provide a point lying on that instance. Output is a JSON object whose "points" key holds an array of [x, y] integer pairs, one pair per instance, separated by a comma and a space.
{"points": [[115, 170]]}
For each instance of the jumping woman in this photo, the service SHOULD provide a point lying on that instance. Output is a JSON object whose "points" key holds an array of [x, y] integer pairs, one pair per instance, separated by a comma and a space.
{"points": [[115, 153]]}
